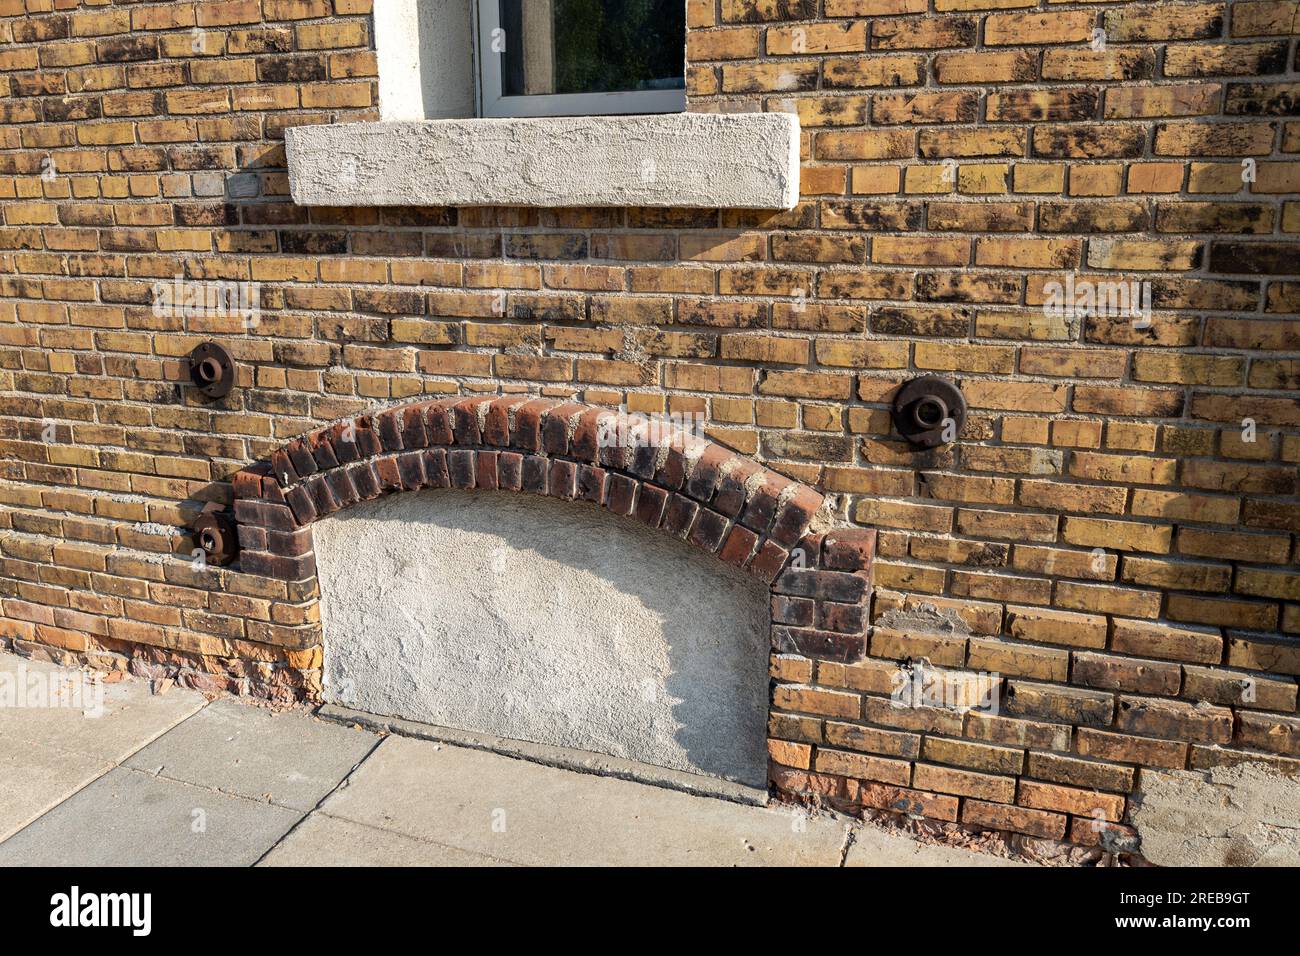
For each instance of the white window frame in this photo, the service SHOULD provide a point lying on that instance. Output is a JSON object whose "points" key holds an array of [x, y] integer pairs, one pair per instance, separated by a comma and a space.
{"points": [[493, 104]]}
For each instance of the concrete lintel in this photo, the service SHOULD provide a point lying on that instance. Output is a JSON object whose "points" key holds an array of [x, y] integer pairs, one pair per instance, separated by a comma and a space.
{"points": [[731, 161]]}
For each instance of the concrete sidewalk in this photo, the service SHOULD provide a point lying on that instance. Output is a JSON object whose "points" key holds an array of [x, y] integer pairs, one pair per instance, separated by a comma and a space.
{"points": [[173, 780]]}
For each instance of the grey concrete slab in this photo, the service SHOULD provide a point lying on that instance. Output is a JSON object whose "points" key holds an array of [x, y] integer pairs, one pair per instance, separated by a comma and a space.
{"points": [[127, 818], [110, 728], [520, 605], [1240, 815], [322, 840], [874, 847], [291, 759], [527, 813], [565, 757], [551, 161], [35, 777]]}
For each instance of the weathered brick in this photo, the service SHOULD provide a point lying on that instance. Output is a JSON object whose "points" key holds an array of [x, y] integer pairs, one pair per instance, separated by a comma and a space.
{"points": [[1239, 689], [1272, 732], [1066, 704], [1056, 627], [1120, 502], [1083, 803], [1124, 748], [964, 783], [1174, 720], [811, 701], [1124, 673], [998, 816], [863, 766], [974, 756], [890, 743], [1058, 768]]}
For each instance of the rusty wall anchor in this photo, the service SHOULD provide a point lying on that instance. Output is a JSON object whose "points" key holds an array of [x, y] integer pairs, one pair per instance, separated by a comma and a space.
{"points": [[929, 411], [212, 370], [215, 532]]}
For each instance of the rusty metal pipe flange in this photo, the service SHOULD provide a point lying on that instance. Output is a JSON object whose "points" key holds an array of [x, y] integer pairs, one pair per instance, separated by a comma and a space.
{"points": [[216, 533], [212, 370], [929, 411]]}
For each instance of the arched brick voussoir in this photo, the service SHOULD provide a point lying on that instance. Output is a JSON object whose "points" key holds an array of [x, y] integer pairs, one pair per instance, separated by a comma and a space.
{"points": [[699, 491]]}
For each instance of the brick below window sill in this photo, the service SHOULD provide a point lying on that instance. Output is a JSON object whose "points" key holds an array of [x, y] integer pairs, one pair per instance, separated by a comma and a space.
{"points": [[730, 161]]}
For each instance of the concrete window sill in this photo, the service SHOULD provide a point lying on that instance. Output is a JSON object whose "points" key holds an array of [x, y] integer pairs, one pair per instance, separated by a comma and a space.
{"points": [[736, 161]]}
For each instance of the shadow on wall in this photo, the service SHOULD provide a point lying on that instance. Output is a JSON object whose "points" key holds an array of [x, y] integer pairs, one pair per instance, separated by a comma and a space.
{"points": [[546, 621]]}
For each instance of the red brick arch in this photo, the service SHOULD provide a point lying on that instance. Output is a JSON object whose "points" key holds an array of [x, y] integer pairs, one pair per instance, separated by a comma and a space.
{"points": [[699, 491], [718, 500]]}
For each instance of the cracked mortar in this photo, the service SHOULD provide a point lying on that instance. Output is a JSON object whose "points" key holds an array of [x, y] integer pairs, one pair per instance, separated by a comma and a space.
{"points": [[926, 618], [162, 530], [634, 352]]}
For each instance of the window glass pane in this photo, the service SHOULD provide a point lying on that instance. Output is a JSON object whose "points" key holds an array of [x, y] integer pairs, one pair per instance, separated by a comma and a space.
{"points": [[592, 46]]}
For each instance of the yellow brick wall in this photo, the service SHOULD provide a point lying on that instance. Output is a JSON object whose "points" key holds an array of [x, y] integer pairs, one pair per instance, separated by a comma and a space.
{"points": [[1115, 528]]}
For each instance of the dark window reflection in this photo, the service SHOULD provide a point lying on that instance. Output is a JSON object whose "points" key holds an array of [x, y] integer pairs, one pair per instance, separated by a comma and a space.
{"points": [[592, 46]]}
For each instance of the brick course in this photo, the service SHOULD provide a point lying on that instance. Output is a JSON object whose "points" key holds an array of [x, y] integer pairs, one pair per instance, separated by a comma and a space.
{"points": [[1116, 527]]}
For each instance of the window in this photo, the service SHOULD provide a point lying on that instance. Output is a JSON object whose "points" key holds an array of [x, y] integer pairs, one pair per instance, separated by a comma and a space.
{"points": [[581, 57], [553, 76]]}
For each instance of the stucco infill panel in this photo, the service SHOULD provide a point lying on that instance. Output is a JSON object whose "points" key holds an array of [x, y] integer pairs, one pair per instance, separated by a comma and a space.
{"points": [[734, 161]]}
